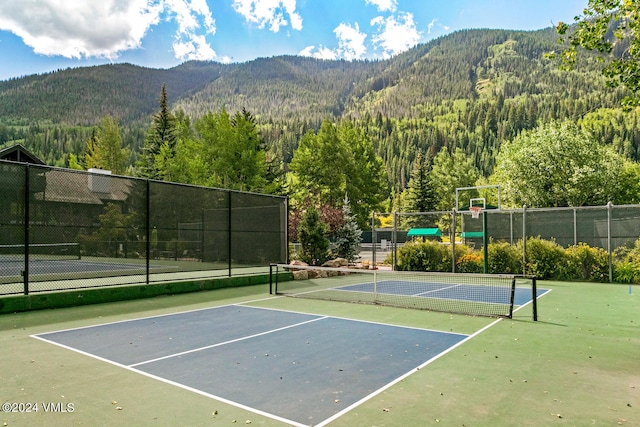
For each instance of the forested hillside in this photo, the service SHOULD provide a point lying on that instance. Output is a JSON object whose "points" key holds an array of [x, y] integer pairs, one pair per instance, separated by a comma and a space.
{"points": [[471, 89]]}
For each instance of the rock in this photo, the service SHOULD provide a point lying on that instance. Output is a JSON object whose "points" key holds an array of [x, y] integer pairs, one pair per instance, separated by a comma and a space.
{"points": [[300, 274]]}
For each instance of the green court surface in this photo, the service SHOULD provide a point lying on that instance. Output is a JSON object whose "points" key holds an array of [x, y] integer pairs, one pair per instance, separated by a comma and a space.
{"points": [[578, 365]]}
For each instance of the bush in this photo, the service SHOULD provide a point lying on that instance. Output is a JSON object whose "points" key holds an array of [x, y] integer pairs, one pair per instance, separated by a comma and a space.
{"points": [[471, 262], [626, 272], [314, 244], [424, 256], [504, 258], [587, 263], [545, 259], [626, 266]]}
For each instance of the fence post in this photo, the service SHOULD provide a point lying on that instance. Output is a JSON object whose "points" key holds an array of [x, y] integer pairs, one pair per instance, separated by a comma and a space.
{"points": [[453, 240], [395, 241], [609, 211], [485, 242], [230, 233], [374, 238], [524, 239], [575, 227], [148, 226], [27, 214]]}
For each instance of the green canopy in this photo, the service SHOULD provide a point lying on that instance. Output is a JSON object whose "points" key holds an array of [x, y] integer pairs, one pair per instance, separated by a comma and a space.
{"points": [[472, 234], [424, 232]]}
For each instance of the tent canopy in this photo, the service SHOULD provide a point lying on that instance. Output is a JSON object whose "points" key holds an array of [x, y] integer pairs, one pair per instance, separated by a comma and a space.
{"points": [[424, 232]]}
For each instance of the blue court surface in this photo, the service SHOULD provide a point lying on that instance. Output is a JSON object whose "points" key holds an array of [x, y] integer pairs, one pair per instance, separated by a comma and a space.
{"points": [[450, 291], [301, 369]]}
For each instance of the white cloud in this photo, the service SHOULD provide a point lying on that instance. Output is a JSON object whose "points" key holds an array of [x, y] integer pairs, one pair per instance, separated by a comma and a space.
{"points": [[319, 53], [384, 5], [79, 29], [193, 18], [395, 35], [350, 45], [350, 41], [435, 22], [270, 13], [106, 28]]}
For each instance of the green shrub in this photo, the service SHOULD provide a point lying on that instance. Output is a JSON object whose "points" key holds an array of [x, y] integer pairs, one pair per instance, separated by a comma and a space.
{"points": [[626, 272], [586, 263], [424, 256], [504, 258], [545, 259]]}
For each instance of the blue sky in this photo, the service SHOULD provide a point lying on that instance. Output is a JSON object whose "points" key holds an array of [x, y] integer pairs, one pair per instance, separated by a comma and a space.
{"points": [[38, 36]]}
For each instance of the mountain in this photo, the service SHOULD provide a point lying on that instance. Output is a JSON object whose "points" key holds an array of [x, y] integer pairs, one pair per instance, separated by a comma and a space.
{"points": [[81, 96], [471, 89]]}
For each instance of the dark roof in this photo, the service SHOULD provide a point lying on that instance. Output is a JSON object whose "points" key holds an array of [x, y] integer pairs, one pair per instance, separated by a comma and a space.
{"points": [[17, 153]]}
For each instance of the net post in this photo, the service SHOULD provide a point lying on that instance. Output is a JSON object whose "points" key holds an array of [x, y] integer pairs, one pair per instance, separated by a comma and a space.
{"points": [[534, 298], [270, 279], [513, 296]]}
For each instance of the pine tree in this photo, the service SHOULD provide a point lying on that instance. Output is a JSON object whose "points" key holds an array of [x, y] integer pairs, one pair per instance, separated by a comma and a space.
{"points": [[420, 195], [348, 234], [312, 233], [162, 132]]}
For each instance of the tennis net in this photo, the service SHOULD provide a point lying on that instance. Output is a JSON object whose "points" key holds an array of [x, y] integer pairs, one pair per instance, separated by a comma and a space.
{"points": [[475, 294], [40, 252]]}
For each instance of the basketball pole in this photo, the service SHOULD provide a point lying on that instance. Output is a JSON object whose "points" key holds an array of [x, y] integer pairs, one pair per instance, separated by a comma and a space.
{"points": [[485, 246]]}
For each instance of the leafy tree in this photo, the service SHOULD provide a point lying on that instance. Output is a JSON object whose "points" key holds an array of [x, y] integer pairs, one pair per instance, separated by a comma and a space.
{"points": [[336, 161], [318, 165], [559, 164], [162, 132], [347, 241], [105, 149], [593, 32], [114, 224], [365, 176], [233, 155], [312, 234], [451, 171], [74, 163], [419, 195]]}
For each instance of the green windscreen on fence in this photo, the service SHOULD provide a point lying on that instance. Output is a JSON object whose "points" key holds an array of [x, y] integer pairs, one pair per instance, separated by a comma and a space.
{"points": [[65, 229]]}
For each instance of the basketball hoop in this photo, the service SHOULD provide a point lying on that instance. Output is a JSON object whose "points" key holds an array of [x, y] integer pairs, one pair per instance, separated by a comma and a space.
{"points": [[475, 211]]}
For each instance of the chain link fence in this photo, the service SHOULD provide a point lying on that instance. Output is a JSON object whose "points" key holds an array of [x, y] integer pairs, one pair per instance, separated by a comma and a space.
{"points": [[608, 227], [65, 229]]}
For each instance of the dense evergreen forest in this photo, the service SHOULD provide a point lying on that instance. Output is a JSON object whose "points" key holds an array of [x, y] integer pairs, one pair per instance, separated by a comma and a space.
{"points": [[471, 90]]}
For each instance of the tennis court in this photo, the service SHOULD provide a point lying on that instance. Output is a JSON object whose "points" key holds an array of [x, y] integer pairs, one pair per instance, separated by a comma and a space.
{"points": [[577, 365], [302, 369], [476, 294]]}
